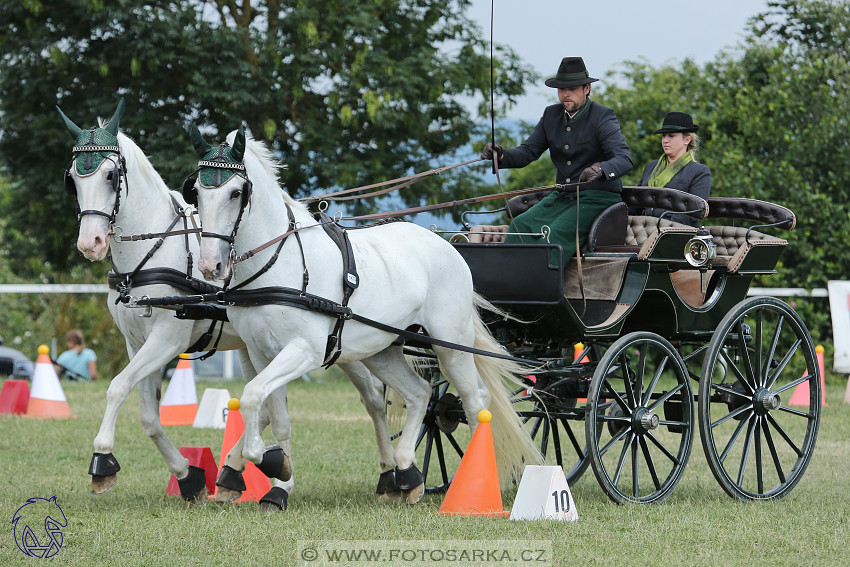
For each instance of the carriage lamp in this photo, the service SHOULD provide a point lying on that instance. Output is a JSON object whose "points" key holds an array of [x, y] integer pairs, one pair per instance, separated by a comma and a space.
{"points": [[700, 249]]}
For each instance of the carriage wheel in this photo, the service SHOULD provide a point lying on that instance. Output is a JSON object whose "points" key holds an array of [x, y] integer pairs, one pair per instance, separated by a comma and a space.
{"points": [[639, 420], [757, 446]]}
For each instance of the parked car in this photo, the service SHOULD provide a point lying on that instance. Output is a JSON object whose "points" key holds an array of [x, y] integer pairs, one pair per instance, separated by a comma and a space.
{"points": [[14, 364]]}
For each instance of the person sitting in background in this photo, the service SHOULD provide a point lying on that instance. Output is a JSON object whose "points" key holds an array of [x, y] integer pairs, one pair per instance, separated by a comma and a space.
{"points": [[79, 362], [677, 167]]}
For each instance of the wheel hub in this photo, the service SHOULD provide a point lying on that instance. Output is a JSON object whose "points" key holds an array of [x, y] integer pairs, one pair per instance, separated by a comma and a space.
{"points": [[447, 408], [764, 401], [644, 420]]}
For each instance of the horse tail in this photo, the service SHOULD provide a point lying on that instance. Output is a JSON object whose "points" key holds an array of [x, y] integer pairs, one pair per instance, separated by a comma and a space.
{"points": [[513, 444]]}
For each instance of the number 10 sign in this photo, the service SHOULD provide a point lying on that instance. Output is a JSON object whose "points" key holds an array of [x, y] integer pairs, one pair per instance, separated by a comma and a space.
{"points": [[543, 494]]}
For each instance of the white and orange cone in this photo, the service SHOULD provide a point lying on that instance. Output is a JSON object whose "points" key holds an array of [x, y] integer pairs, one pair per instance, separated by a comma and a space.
{"points": [[180, 402], [47, 399]]}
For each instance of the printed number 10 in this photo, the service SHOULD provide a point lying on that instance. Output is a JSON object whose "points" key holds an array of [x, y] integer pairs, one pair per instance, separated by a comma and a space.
{"points": [[564, 501]]}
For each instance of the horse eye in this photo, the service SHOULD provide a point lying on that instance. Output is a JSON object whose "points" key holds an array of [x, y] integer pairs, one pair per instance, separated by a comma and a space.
{"points": [[109, 175], [236, 194]]}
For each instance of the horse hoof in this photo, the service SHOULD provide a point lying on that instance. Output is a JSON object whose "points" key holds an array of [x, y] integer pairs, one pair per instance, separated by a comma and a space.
{"points": [[275, 500], [389, 497], [103, 484], [276, 463], [415, 495], [223, 494], [199, 499]]}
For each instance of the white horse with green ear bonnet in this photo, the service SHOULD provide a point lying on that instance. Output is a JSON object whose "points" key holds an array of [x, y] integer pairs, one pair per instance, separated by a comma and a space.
{"points": [[405, 276], [118, 190]]}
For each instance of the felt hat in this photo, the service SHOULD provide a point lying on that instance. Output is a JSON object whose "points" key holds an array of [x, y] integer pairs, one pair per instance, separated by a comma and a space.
{"points": [[677, 122], [571, 73]]}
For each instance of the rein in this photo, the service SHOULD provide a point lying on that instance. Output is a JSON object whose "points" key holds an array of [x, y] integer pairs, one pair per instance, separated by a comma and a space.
{"points": [[402, 183], [470, 200]]}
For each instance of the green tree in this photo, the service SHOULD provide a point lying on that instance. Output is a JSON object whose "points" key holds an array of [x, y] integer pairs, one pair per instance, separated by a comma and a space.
{"points": [[346, 92]]}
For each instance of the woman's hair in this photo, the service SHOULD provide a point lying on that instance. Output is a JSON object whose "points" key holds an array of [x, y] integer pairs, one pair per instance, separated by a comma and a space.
{"points": [[75, 337], [694, 144]]}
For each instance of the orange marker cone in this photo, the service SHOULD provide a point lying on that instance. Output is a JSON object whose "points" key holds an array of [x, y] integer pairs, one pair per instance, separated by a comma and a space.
{"points": [[180, 402], [474, 490], [800, 397], [256, 483], [46, 398], [578, 348]]}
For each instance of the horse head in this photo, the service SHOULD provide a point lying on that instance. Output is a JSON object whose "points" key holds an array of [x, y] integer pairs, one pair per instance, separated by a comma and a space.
{"points": [[94, 178], [221, 191]]}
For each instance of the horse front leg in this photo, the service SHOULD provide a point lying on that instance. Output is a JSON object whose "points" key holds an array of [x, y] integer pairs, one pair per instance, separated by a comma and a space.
{"points": [[144, 362], [296, 358]]}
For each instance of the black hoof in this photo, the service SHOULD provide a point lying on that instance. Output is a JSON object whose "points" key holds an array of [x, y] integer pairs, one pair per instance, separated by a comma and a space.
{"points": [[409, 478], [275, 500], [193, 484], [275, 464]]}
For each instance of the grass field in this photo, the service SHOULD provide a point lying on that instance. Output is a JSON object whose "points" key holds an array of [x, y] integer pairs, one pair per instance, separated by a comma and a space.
{"points": [[336, 471]]}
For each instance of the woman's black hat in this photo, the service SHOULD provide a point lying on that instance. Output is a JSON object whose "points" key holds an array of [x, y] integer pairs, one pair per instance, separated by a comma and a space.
{"points": [[677, 122], [571, 73]]}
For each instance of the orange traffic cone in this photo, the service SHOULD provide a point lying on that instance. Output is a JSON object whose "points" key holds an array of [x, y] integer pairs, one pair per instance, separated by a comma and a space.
{"points": [[256, 483], [180, 402], [800, 397], [46, 398], [578, 348], [474, 490]]}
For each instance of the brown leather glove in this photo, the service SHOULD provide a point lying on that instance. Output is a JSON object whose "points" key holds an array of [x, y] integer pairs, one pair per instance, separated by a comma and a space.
{"points": [[490, 149], [592, 173]]}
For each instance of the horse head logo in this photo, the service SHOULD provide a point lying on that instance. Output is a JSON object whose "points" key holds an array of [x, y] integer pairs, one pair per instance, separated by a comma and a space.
{"points": [[37, 527]]}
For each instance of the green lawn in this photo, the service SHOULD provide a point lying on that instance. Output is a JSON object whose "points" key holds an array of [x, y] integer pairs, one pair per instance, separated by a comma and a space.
{"points": [[336, 471]]}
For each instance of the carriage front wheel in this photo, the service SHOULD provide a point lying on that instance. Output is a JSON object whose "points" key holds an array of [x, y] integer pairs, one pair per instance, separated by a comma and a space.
{"points": [[640, 419], [756, 444]]}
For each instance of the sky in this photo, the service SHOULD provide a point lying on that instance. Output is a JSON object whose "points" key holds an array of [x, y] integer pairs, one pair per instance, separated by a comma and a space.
{"points": [[607, 32]]}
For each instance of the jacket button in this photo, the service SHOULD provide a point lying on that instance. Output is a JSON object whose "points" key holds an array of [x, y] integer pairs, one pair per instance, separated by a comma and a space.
{"points": [[569, 129], [568, 180], [610, 175], [569, 163], [566, 146]]}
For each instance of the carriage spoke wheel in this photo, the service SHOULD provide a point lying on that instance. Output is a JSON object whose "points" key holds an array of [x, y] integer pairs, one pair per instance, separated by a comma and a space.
{"points": [[756, 444], [561, 442], [640, 419], [442, 437]]}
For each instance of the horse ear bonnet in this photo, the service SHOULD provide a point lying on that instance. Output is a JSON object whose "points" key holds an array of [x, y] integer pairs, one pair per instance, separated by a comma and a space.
{"points": [[190, 194]]}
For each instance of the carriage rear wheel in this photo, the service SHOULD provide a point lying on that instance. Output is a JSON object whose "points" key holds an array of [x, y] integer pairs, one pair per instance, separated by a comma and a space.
{"points": [[640, 419], [759, 362]]}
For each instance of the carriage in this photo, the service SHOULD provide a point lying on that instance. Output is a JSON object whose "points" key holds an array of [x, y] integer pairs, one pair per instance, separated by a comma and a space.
{"points": [[661, 308], [649, 332]]}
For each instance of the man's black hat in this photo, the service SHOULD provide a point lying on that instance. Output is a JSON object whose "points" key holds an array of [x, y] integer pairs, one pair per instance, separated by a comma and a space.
{"points": [[571, 73], [677, 122]]}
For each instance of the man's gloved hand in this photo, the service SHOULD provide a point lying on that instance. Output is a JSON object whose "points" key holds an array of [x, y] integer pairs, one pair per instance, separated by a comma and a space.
{"points": [[490, 149], [592, 173]]}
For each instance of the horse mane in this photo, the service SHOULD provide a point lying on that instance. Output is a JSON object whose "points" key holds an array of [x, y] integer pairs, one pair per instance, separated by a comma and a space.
{"points": [[138, 162], [271, 166]]}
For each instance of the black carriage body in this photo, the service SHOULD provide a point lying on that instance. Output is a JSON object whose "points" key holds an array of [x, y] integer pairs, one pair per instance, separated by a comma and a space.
{"points": [[654, 320]]}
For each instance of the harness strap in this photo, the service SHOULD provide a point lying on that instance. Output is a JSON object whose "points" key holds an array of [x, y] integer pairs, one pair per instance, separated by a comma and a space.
{"points": [[350, 281], [294, 298]]}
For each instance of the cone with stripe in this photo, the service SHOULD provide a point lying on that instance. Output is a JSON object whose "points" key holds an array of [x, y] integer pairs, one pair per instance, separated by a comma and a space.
{"points": [[180, 402], [47, 399]]}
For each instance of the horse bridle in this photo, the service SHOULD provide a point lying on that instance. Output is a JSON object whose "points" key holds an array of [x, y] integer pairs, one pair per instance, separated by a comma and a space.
{"points": [[120, 166], [190, 193]]}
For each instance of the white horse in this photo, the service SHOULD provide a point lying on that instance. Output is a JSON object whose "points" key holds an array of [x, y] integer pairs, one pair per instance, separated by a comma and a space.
{"points": [[408, 277], [145, 203]]}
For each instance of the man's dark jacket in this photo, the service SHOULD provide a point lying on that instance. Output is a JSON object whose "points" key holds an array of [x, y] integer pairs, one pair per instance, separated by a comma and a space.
{"points": [[574, 145]]}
